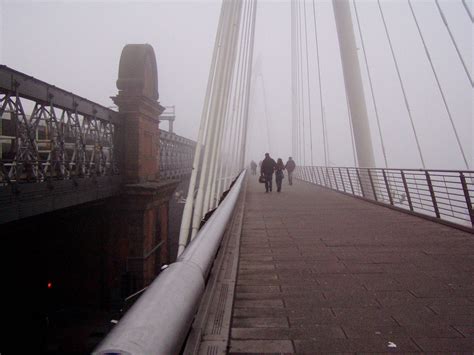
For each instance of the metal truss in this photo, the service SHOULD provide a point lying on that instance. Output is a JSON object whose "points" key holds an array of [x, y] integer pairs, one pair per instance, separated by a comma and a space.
{"points": [[176, 155], [48, 133]]}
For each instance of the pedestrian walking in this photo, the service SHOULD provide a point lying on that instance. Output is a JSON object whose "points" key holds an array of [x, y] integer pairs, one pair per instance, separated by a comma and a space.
{"points": [[266, 169], [253, 167], [279, 176], [290, 167]]}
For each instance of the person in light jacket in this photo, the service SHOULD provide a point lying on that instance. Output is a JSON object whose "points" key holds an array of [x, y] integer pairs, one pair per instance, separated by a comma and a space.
{"points": [[290, 167]]}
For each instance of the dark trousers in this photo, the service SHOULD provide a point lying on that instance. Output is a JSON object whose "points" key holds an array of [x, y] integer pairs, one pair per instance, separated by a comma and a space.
{"points": [[278, 181], [268, 182]]}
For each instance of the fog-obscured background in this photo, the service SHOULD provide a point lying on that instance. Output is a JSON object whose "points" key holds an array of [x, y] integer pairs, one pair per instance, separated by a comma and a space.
{"points": [[76, 45]]}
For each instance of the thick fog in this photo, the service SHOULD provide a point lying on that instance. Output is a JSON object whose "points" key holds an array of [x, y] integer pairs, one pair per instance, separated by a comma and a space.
{"points": [[76, 45]]}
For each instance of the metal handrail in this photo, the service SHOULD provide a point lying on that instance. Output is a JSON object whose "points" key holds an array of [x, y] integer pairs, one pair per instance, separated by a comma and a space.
{"points": [[159, 320], [445, 195]]}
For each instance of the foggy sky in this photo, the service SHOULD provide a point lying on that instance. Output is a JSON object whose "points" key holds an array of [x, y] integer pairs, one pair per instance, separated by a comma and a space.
{"points": [[76, 45]]}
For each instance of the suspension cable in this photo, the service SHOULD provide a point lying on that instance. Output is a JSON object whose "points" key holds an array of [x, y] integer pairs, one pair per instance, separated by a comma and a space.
{"points": [[228, 136], [237, 145], [401, 85], [222, 85], [188, 208], [221, 127], [293, 86], [469, 13], [265, 110], [439, 85], [221, 123], [323, 119], [246, 103], [454, 42], [308, 86], [300, 55], [297, 85], [370, 84], [298, 88], [245, 69], [203, 196]]}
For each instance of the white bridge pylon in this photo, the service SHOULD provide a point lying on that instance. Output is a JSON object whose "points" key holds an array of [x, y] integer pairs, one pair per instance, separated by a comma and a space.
{"points": [[220, 149]]}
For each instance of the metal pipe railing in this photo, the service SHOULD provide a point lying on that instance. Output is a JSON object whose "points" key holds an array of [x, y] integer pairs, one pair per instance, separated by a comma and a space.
{"points": [[445, 195], [160, 319]]}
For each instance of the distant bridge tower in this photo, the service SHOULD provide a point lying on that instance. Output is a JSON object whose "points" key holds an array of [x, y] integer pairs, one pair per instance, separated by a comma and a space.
{"points": [[353, 83]]}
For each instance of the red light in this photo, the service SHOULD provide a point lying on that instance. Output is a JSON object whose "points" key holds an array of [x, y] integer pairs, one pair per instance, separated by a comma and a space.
{"points": [[50, 284]]}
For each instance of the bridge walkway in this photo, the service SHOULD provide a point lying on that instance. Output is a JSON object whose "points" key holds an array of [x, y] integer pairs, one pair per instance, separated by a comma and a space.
{"points": [[320, 271]]}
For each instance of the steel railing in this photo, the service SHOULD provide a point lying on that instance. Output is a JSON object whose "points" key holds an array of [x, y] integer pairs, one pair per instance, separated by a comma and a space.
{"points": [[160, 319], [176, 155], [446, 195]]}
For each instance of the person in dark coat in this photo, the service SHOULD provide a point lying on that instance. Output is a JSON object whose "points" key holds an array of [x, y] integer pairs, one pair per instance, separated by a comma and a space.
{"points": [[279, 173], [266, 169], [290, 167]]}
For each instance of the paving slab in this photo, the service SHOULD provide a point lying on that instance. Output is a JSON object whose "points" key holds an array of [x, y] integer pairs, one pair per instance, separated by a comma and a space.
{"points": [[323, 272]]}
